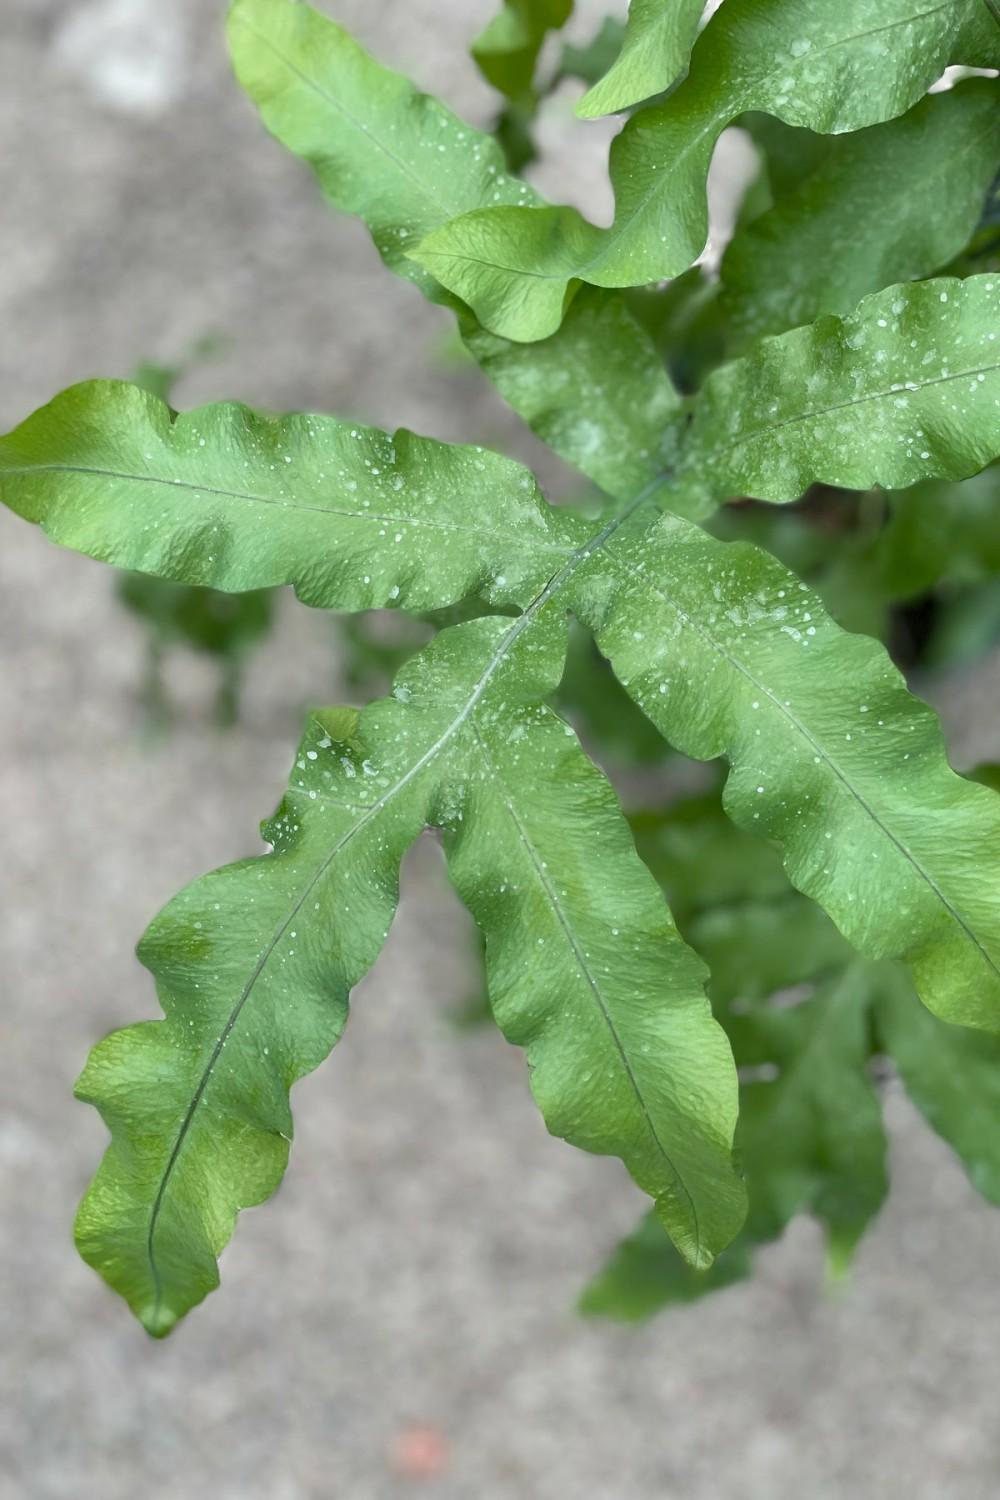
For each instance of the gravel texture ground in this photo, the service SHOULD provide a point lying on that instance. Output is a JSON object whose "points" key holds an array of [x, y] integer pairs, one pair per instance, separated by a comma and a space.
{"points": [[406, 1303]]}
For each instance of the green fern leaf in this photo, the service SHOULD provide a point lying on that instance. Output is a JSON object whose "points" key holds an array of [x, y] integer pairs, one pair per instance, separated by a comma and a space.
{"points": [[830, 69], [254, 965], [906, 388], [725, 650], [729, 654], [353, 518], [892, 203], [654, 53], [597, 392]]}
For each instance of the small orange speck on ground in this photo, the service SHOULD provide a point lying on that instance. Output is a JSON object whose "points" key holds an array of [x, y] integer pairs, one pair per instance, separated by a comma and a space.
{"points": [[420, 1451]]}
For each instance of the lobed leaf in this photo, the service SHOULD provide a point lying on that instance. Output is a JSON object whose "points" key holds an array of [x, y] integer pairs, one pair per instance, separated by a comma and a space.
{"points": [[729, 654], [353, 518], [892, 203], [830, 69], [655, 50], [399, 160], [624, 1055], [254, 965], [906, 388]]}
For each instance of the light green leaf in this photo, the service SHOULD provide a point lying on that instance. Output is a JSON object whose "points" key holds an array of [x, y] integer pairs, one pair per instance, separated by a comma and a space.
{"points": [[830, 69], [729, 654], [254, 965], [892, 203], [906, 388], [507, 50], [380, 148], [353, 518], [952, 1075], [397, 158], [725, 651], [655, 52], [624, 1056]]}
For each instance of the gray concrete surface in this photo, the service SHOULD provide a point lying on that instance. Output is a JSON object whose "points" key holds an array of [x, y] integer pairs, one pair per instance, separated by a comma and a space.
{"points": [[417, 1268]]}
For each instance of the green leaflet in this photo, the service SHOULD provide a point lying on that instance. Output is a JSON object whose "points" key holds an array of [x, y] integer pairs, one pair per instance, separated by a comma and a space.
{"points": [[906, 388], [951, 1074], [381, 150], [847, 66], [353, 518], [810, 1137], [729, 654], [253, 965], [255, 962], [598, 394], [655, 51], [507, 50], [892, 203]]}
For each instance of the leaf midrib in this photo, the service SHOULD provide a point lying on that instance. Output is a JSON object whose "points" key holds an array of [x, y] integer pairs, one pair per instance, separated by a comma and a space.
{"points": [[608, 241], [292, 505], [522, 623], [816, 745], [552, 896], [913, 388], [720, 118]]}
